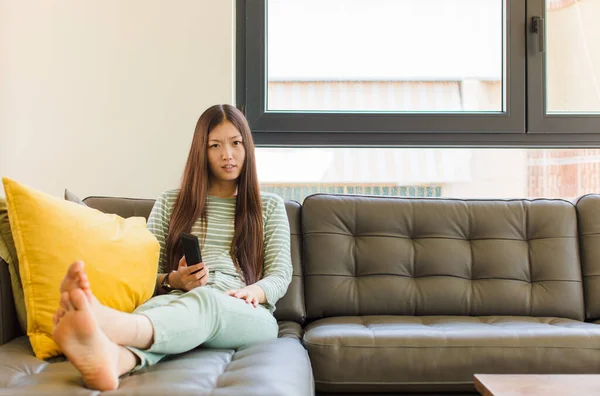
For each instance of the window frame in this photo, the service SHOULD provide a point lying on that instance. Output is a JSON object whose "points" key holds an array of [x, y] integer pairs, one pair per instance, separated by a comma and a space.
{"points": [[539, 121], [306, 129]]}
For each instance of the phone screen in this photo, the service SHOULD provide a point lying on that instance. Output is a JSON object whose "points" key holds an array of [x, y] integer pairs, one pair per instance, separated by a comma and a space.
{"points": [[191, 248]]}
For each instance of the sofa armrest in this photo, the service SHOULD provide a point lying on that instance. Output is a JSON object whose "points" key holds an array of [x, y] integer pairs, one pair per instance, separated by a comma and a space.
{"points": [[9, 325], [289, 329]]}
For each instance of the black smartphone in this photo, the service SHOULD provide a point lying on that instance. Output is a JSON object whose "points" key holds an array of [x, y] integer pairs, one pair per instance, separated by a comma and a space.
{"points": [[191, 248]]}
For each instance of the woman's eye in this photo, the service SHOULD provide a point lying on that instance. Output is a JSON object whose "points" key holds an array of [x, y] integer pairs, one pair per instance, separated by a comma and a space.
{"points": [[237, 142], [214, 145]]}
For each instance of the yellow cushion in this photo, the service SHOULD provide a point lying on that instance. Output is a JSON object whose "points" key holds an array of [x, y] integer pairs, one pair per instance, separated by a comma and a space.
{"points": [[120, 255]]}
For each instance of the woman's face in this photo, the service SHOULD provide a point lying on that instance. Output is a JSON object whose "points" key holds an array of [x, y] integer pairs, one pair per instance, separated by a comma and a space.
{"points": [[226, 152]]}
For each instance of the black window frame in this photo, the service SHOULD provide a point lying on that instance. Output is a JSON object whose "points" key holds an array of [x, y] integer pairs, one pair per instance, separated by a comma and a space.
{"points": [[511, 129], [539, 121]]}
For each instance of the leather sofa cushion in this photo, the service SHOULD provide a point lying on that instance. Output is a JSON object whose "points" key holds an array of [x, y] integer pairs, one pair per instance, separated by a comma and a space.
{"points": [[124, 207], [8, 255], [289, 307], [289, 329], [395, 256], [406, 353], [588, 216], [278, 367], [9, 326]]}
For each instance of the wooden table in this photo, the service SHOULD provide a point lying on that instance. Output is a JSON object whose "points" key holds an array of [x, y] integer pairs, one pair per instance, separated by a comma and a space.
{"points": [[534, 384]]}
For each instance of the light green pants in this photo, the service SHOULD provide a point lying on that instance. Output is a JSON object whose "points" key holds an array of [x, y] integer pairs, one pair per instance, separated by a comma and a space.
{"points": [[202, 316]]}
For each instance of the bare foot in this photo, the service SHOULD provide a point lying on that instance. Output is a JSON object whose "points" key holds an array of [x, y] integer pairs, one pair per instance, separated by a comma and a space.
{"points": [[62, 308], [116, 325], [76, 278], [86, 346]]}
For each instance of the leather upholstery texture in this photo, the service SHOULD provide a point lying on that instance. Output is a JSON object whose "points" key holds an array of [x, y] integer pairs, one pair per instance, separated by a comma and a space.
{"points": [[427, 353], [390, 256], [275, 368], [588, 216]]}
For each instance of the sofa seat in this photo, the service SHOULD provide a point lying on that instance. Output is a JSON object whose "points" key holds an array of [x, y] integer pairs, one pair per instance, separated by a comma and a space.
{"points": [[431, 353], [279, 367]]}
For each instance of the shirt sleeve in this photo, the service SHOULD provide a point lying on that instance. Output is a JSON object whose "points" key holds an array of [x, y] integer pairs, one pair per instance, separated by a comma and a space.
{"points": [[277, 269], [158, 224]]}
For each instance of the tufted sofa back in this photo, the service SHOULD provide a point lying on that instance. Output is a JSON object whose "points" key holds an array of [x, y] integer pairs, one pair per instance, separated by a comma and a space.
{"points": [[395, 256]]}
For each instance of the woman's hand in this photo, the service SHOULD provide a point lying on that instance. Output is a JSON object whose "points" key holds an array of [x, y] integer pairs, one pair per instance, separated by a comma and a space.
{"points": [[252, 294], [188, 278]]}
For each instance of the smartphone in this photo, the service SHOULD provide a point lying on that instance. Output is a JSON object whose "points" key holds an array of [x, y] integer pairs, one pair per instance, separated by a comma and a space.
{"points": [[191, 248]]}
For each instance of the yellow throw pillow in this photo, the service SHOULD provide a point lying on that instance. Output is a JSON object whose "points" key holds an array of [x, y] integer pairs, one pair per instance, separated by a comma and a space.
{"points": [[120, 255]]}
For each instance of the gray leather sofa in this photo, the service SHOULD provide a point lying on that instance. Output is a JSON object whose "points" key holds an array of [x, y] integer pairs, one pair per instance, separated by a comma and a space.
{"points": [[389, 295]]}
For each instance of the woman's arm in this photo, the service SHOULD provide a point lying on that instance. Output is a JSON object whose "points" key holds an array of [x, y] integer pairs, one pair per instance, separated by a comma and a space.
{"points": [[157, 289], [158, 225], [277, 270]]}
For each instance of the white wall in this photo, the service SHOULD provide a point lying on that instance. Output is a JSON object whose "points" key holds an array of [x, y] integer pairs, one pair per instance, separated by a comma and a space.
{"points": [[102, 96]]}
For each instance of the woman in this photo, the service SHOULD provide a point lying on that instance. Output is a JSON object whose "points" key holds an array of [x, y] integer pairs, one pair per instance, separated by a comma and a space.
{"points": [[227, 302]]}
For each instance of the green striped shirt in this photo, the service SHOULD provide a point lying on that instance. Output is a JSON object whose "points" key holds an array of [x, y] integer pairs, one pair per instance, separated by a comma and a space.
{"points": [[223, 274]]}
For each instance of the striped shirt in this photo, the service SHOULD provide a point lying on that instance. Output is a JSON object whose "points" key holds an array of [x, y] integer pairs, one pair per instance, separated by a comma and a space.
{"points": [[220, 213]]}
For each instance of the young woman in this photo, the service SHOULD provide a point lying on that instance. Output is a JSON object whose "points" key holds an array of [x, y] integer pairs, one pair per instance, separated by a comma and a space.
{"points": [[225, 302]]}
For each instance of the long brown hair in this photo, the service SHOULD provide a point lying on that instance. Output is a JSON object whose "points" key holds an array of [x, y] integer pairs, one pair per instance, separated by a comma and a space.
{"points": [[247, 246]]}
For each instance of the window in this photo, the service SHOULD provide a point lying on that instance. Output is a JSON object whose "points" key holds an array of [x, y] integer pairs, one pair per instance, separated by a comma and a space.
{"points": [[564, 67], [415, 73], [365, 56], [298, 192], [295, 173]]}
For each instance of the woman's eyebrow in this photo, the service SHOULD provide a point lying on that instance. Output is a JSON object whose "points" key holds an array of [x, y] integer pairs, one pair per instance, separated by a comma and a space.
{"points": [[231, 138]]}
